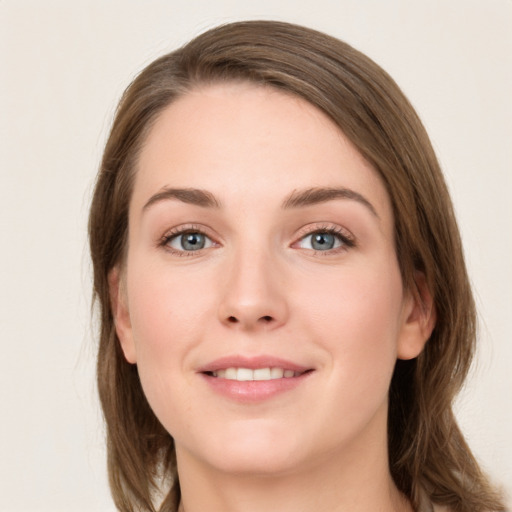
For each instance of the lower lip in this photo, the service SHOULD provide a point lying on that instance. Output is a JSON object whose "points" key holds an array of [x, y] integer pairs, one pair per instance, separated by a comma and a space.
{"points": [[250, 391]]}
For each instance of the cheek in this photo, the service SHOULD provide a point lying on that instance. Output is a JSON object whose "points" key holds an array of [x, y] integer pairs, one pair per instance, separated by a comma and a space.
{"points": [[356, 316], [165, 309], [363, 318], [168, 313]]}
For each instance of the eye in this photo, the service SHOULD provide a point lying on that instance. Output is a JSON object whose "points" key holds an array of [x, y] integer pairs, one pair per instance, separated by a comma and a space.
{"points": [[188, 241], [324, 240]]}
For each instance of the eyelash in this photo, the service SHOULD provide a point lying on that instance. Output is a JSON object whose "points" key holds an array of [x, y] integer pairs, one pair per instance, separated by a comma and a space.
{"points": [[346, 239], [183, 230], [342, 235]]}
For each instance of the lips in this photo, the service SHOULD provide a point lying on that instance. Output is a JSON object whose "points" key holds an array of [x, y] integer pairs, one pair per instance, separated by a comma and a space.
{"points": [[253, 379], [253, 363]]}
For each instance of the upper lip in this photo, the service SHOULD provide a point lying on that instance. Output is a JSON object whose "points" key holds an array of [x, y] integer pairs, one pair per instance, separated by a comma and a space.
{"points": [[254, 362]]}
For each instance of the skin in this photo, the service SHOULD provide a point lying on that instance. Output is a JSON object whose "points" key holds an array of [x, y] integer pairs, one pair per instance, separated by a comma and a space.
{"points": [[258, 287]]}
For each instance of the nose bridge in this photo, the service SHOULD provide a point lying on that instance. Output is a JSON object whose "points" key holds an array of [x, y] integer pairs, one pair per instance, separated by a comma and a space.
{"points": [[253, 294]]}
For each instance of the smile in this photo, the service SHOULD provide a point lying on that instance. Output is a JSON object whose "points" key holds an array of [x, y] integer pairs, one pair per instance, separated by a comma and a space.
{"points": [[254, 379], [259, 374]]}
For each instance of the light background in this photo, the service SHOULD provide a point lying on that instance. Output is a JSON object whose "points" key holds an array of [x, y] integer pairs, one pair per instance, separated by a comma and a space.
{"points": [[64, 65]]}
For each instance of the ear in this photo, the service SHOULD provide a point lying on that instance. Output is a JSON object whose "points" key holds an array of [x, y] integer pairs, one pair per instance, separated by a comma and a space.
{"points": [[419, 319], [121, 314]]}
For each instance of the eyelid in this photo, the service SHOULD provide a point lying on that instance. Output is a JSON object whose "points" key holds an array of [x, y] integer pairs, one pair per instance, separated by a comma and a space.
{"points": [[175, 232], [347, 238]]}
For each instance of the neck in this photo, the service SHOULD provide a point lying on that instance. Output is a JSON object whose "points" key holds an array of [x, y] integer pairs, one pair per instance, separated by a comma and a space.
{"points": [[305, 494], [355, 480]]}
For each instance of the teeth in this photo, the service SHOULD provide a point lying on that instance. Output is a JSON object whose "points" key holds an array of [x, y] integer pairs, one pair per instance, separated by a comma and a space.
{"points": [[230, 374], [261, 374], [276, 373], [246, 374]]}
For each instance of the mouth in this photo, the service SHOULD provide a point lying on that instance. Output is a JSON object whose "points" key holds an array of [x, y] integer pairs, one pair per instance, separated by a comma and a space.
{"points": [[241, 374], [253, 379]]}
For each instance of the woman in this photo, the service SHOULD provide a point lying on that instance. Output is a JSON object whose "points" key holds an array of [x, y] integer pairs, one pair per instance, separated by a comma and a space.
{"points": [[285, 311]]}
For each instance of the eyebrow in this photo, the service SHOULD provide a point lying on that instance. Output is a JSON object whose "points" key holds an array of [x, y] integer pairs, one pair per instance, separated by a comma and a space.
{"points": [[193, 196], [298, 198], [312, 196]]}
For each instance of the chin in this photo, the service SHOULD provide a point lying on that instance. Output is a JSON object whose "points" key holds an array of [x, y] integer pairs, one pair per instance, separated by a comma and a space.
{"points": [[250, 462], [255, 449]]}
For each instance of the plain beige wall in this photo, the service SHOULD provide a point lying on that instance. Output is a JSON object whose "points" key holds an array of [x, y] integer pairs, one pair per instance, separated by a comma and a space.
{"points": [[63, 66]]}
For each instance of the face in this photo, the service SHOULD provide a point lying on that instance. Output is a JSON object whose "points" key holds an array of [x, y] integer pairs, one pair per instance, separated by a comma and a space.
{"points": [[261, 297]]}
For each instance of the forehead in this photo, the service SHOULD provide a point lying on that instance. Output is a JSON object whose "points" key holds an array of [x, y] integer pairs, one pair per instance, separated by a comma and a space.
{"points": [[245, 139]]}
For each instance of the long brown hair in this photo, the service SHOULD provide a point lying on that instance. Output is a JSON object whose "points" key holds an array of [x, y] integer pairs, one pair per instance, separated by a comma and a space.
{"points": [[427, 452]]}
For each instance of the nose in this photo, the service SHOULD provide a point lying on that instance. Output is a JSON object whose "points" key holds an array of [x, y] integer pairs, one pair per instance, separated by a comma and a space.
{"points": [[253, 295]]}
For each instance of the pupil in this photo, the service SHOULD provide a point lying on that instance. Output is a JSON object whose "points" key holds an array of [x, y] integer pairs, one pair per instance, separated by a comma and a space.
{"points": [[192, 241], [323, 241]]}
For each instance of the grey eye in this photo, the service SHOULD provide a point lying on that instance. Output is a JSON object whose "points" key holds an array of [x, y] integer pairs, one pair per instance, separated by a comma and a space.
{"points": [[191, 241], [321, 241]]}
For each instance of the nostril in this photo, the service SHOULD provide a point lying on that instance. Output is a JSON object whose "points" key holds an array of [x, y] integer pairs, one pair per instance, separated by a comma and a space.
{"points": [[266, 319]]}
